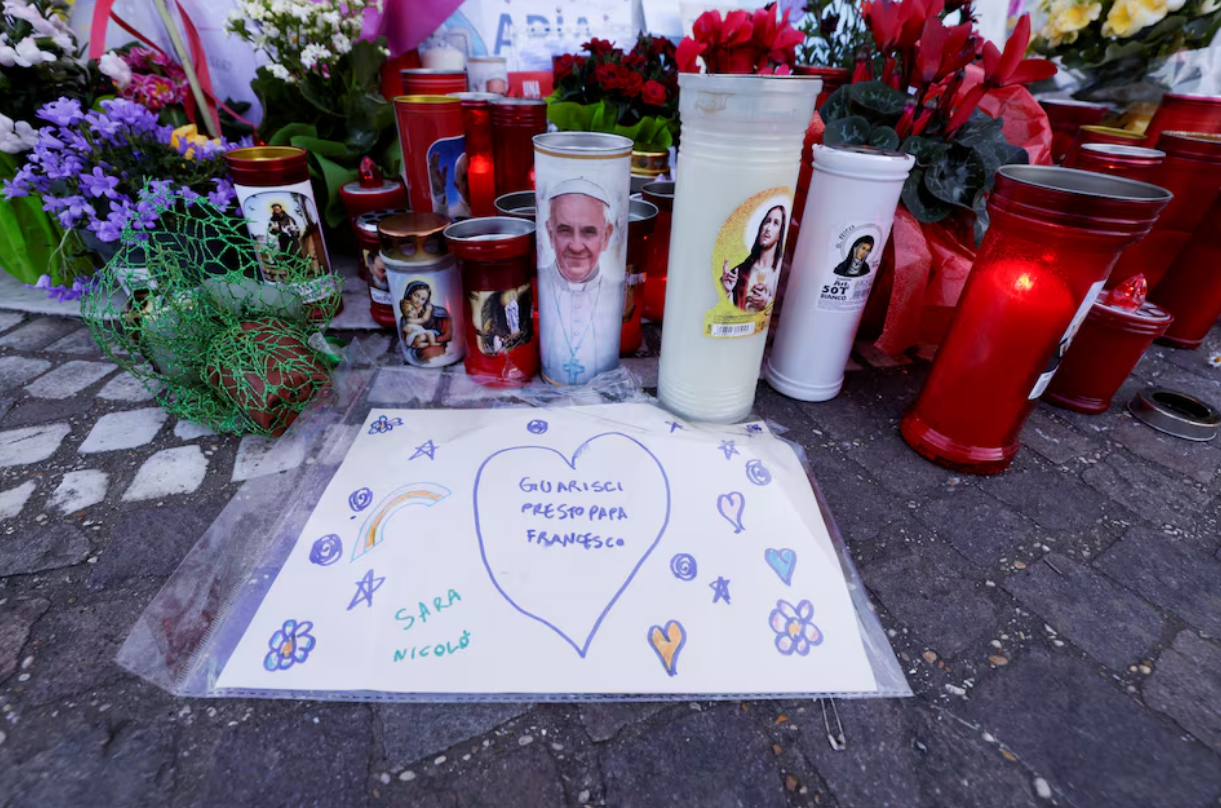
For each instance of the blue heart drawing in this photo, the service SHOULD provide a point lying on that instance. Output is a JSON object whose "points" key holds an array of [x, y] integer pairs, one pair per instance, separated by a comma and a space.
{"points": [[562, 537], [731, 506], [782, 561]]}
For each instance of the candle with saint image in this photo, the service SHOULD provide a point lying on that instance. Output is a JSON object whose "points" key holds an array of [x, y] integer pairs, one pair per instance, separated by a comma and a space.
{"points": [[480, 171]]}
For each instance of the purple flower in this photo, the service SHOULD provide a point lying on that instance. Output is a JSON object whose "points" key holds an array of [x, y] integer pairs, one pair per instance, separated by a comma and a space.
{"points": [[62, 293], [97, 184], [144, 215], [224, 195], [62, 112], [103, 125]]}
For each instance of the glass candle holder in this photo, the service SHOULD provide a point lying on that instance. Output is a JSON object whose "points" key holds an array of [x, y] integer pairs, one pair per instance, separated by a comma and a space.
{"points": [[488, 74], [496, 258], [661, 196], [480, 170], [515, 122], [1192, 172], [853, 193], [434, 147], [425, 287], [368, 244], [519, 205], [1101, 134], [1067, 116], [1055, 235], [1115, 335], [737, 166], [642, 217], [1182, 112], [370, 193], [1191, 288], [1119, 160], [422, 81]]}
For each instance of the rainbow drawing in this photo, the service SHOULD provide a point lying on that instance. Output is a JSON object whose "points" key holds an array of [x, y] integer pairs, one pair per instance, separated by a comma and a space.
{"points": [[373, 530]]}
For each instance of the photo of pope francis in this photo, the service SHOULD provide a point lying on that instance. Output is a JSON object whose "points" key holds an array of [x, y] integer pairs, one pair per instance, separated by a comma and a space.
{"points": [[580, 291]]}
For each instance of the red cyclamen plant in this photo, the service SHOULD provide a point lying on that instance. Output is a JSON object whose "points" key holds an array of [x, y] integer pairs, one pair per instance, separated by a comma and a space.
{"points": [[741, 42]]}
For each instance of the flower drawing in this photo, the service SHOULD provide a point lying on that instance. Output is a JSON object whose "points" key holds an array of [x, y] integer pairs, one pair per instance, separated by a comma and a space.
{"points": [[290, 645], [794, 627]]}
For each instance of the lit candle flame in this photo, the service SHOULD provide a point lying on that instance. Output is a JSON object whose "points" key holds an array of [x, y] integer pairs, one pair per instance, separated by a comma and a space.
{"points": [[1024, 282]]}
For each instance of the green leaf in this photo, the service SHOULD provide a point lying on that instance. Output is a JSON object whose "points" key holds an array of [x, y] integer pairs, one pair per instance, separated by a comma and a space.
{"points": [[982, 220], [878, 98], [957, 178], [852, 131], [979, 128], [919, 202], [836, 105], [883, 137], [927, 151]]}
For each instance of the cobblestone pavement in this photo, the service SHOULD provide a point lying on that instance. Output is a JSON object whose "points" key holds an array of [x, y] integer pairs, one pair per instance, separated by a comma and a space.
{"points": [[1058, 624]]}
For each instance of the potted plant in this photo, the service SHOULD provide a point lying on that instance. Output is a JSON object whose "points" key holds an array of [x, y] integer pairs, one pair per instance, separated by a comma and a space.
{"points": [[835, 33]]}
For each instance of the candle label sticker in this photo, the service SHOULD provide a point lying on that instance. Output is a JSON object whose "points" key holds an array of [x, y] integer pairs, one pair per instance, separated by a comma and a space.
{"points": [[1053, 364], [429, 308], [855, 255], [746, 265], [447, 177], [283, 221], [379, 285], [504, 321]]}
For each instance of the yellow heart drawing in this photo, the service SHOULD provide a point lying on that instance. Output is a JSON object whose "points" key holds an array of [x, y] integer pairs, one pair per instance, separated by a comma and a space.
{"points": [[667, 643]]}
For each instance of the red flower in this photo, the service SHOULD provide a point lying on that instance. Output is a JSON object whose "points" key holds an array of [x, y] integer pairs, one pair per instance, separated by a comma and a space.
{"points": [[944, 50], [562, 67], [1004, 69], [634, 61], [630, 83], [607, 76], [598, 47], [653, 94], [688, 51], [741, 42]]}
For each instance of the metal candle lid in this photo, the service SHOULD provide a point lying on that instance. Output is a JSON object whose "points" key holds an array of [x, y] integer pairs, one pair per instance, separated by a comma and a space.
{"points": [[427, 103], [415, 238], [1118, 155], [660, 194], [650, 164], [491, 238], [477, 99], [1175, 414], [1085, 200], [1189, 145], [582, 145], [641, 217], [519, 111], [262, 166], [519, 204], [367, 222]]}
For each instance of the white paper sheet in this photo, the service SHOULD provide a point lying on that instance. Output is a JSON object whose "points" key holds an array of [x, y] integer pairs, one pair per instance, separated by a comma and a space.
{"points": [[594, 550]]}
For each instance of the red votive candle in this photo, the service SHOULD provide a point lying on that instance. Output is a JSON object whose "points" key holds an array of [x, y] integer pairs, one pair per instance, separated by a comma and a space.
{"points": [[1119, 329], [496, 259], [1192, 172], [1180, 112], [480, 172], [515, 122], [1067, 117], [431, 135], [1100, 134], [370, 193], [641, 219], [1130, 162], [1054, 237], [657, 261], [422, 81], [368, 243], [1191, 288]]}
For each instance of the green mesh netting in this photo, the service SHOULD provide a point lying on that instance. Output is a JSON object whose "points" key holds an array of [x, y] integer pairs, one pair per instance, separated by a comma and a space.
{"points": [[225, 325]]}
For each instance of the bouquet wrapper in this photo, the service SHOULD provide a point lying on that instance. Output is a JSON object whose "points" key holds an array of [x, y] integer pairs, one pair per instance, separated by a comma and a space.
{"points": [[28, 234]]}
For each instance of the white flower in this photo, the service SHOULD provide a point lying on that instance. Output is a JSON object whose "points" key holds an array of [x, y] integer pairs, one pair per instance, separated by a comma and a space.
{"points": [[16, 137], [342, 43], [111, 64], [280, 72], [26, 54], [1175, 5], [313, 54]]}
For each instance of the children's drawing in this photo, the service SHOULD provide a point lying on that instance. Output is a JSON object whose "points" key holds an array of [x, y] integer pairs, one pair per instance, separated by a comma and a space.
{"points": [[674, 425], [794, 627], [290, 645], [728, 448], [754, 429], [731, 506], [326, 551], [536, 427], [360, 499], [757, 473], [782, 561], [720, 589], [373, 530], [683, 567], [365, 588], [668, 643], [383, 425], [585, 543], [426, 449]]}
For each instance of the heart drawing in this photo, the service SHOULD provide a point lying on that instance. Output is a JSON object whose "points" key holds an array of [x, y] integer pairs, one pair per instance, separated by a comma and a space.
{"points": [[782, 561], [667, 643], [562, 537]]}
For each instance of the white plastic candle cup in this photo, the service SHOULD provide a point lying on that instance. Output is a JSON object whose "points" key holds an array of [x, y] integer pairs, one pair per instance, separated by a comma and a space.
{"points": [[741, 150], [851, 207]]}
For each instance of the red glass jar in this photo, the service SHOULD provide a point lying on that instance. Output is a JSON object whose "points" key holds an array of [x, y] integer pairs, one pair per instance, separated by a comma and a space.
{"points": [[422, 81], [1067, 117], [480, 170], [496, 258], [1191, 288], [1192, 172], [1112, 340], [1180, 112], [431, 136], [1130, 162], [1055, 236], [515, 122], [641, 220], [370, 193], [1101, 134], [657, 261], [368, 245]]}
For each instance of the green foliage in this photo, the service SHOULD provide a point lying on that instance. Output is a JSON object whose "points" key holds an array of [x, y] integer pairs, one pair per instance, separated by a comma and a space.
{"points": [[835, 34], [650, 133]]}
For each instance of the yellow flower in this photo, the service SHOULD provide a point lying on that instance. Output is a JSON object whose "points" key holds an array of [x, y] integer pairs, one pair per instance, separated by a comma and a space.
{"points": [[1128, 17], [1067, 17], [189, 134]]}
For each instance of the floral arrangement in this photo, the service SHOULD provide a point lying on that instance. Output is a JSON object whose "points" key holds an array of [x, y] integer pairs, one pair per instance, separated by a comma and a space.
{"points": [[634, 94], [40, 60], [89, 168], [835, 32], [917, 95], [151, 78], [1118, 42], [741, 42], [321, 83]]}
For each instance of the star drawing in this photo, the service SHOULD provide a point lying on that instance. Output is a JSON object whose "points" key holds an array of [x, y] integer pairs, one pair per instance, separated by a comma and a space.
{"points": [[729, 449], [720, 589], [427, 449], [365, 588]]}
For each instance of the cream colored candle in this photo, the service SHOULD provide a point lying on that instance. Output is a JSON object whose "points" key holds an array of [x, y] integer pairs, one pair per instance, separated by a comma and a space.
{"points": [[737, 166]]}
